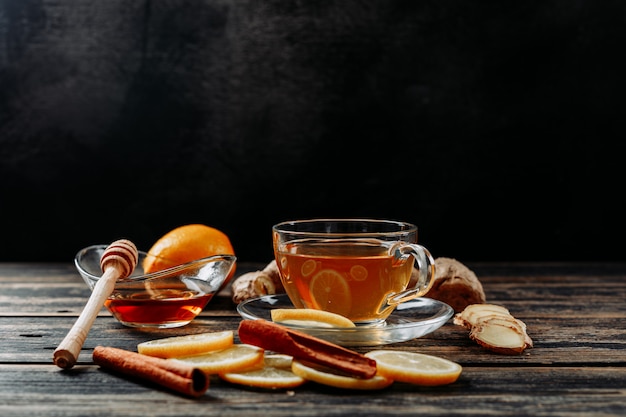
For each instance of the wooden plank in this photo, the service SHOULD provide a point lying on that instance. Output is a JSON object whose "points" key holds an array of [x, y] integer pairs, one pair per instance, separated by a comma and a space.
{"points": [[65, 299], [32, 340], [45, 390], [577, 367], [557, 342], [58, 290], [544, 270], [57, 295], [34, 272]]}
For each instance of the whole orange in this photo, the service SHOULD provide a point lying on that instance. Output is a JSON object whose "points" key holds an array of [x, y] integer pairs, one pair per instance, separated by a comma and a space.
{"points": [[185, 244]]}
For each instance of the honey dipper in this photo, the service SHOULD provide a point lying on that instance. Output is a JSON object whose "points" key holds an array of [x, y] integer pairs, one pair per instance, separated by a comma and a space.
{"points": [[118, 261]]}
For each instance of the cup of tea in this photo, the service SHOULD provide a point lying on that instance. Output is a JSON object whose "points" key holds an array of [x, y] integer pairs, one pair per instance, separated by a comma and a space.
{"points": [[359, 268]]}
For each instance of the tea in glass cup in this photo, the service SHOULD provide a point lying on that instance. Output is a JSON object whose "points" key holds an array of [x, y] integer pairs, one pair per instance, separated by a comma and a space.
{"points": [[359, 268]]}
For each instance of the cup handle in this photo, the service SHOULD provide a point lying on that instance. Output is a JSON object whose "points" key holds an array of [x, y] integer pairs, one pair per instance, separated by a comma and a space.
{"points": [[425, 265]]}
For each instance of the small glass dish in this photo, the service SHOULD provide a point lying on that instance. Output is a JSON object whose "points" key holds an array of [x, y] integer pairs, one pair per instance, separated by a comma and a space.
{"points": [[165, 299], [410, 320]]}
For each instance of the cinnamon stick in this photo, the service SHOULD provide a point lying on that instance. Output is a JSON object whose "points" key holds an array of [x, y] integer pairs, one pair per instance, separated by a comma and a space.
{"points": [[176, 376], [299, 345]]}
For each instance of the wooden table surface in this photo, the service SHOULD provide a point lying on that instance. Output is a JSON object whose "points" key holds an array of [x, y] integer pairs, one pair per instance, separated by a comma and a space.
{"points": [[575, 313]]}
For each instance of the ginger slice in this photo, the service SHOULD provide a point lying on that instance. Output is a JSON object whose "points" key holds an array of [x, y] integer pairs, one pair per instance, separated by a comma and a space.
{"points": [[472, 313], [499, 335], [494, 328]]}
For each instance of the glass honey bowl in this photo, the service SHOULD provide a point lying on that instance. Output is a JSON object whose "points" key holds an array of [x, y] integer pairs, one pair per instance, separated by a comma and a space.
{"points": [[164, 299]]}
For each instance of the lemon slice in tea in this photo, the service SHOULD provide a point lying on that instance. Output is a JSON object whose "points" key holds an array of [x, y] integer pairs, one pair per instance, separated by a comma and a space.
{"points": [[330, 292]]}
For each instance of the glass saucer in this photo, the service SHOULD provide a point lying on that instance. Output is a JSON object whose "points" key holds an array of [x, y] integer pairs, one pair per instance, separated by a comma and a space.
{"points": [[409, 320]]}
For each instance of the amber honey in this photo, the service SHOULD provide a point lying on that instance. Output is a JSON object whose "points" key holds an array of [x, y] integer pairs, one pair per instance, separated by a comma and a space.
{"points": [[349, 278], [161, 308]]}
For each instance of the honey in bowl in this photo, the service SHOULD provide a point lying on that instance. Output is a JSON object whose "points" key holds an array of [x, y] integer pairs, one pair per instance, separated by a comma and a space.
{"points": [[169, 298], [157, 308]]}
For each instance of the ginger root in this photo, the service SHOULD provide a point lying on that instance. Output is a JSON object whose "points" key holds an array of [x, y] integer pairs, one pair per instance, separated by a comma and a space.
{"points": [[494, 328], [455, 284], [257, 283]]}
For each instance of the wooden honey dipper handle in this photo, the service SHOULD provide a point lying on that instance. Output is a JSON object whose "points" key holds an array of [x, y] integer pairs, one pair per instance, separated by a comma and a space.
{"points": [[118, 261]]}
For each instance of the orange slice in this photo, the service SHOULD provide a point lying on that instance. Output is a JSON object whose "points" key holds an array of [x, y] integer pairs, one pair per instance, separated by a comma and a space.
{"points": [[185, 244], [187, 345], [415, 368], [235, 358], [330, 292], [310, 317], [327, 376]]}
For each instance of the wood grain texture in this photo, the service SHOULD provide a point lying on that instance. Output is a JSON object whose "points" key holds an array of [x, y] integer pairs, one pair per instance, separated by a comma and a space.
{"points": [[480, 391], [574, 313]]}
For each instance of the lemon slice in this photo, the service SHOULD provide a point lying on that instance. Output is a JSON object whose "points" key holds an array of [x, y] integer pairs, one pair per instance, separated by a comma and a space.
{"points": [[415, 368], [269, 377], [310, 318], [330, 292], [277, 360], [187, 345], [232, 359], [308, 267], [358, 272], [327, 376]]}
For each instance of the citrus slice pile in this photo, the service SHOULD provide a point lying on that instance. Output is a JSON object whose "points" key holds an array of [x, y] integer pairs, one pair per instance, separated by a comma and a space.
{"points": [[244, 364], [185, 244], [415, 368], [309, 317], [188, 345], [215, 353]]}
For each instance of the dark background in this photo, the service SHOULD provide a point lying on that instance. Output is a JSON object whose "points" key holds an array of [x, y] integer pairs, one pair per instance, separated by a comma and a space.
{"points": [[497, 127]]}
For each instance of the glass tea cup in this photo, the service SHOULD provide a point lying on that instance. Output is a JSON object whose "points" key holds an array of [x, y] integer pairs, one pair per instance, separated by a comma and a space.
{"points": [[359, 268]]}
